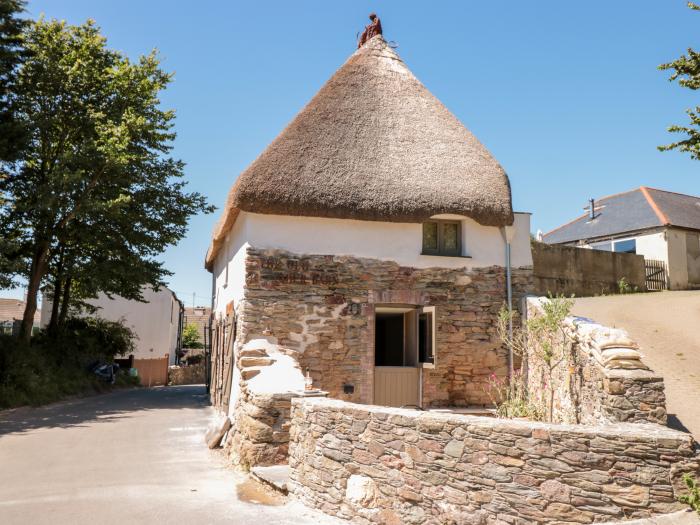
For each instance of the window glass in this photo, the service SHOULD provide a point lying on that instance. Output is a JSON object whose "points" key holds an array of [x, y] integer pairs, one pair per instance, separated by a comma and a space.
{"points": [[628, 246], [430, 236], [450, 237]]}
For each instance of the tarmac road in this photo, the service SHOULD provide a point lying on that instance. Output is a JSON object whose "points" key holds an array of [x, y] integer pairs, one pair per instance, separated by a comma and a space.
{"points": [[129, 457]]}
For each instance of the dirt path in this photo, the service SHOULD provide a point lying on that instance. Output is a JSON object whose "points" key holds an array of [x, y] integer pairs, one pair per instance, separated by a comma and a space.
{"points": [[667, 326], [134, 456]]}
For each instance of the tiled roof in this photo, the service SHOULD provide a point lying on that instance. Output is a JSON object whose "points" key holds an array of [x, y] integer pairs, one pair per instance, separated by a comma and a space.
{"points": [[634, 210]]}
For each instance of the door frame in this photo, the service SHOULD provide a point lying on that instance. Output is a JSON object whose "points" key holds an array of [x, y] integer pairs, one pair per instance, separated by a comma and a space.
{"points": [[404, 308]]}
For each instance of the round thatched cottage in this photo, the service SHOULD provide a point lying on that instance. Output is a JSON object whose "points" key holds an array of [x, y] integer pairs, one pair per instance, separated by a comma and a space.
{"points": [[367, 245]]}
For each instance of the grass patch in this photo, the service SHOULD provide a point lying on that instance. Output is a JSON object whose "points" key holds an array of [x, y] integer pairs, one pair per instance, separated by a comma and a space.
{"points": [[53, 368]]}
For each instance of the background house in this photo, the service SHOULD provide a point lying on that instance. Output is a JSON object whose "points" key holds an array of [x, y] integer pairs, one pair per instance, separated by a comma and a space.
{"points": [[157, 323], [199, 316], [11, 313], [660, 225]]}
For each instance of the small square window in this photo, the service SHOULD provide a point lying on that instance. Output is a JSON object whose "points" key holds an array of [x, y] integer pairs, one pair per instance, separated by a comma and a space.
{"points": [[442, 238]]}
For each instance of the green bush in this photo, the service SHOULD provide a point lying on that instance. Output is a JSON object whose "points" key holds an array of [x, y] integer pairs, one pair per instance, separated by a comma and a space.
{"points": [[51, 368], [692, 498]]}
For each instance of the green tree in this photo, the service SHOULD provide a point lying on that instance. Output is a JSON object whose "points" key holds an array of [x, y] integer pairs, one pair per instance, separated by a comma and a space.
{"points": [[190, 337], [686, 70], [12, 136], [96, 196]]}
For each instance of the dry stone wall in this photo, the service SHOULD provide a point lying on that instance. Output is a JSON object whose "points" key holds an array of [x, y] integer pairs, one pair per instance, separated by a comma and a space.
{"points": [[586, 390], [321, 308], [186, 375], [394, 466]]}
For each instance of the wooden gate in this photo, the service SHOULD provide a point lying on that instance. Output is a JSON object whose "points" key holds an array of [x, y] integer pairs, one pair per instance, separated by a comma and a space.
{"points": [[655, 275], [396, 386], [221, 361], [153, 372]]}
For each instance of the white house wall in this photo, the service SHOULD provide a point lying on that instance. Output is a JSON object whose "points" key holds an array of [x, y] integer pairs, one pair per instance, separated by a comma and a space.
{"points": [[399, 242], [155, 322], [653, 246], [229, 267]]}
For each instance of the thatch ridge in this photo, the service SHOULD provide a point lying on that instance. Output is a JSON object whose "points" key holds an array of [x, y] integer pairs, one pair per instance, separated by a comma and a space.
{"points": [[373, 144]]}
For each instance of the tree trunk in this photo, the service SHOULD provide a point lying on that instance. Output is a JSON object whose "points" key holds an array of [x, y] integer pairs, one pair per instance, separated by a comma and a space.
{"points": [[65, 302], [37, 272], [57, 293]]}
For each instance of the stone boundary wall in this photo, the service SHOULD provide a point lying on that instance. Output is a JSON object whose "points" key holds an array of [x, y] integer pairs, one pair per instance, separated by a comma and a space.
{"points": [[584, 272], [396, 466], [590, 392], [186, 375]]}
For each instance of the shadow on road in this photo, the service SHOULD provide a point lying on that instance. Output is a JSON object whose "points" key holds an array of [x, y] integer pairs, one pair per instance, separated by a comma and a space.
{"points": [[102, 408]]}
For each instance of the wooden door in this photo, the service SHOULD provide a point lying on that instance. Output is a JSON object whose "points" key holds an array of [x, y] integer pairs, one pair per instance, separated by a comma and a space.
{"points": [[396, 386]]}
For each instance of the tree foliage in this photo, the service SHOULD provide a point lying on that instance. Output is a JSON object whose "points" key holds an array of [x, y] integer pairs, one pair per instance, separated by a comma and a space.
{"points": [[12, 53], [96, 196], [686, 71], [190, 337], [11, 132]]}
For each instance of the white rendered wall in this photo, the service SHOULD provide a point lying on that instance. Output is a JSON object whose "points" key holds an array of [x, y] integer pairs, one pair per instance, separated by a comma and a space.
{"points": [[155, 322], [229, 267], [398, 242], [653, 246]]}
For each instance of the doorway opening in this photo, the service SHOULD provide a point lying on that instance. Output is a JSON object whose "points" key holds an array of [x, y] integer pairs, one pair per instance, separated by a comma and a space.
{"points": [[404, 343]]}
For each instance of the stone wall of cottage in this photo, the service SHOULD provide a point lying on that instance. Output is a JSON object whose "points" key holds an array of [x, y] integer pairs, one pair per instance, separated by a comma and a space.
{"points": [[393, 466], [321, 309], [260, 430], [590, 391]]}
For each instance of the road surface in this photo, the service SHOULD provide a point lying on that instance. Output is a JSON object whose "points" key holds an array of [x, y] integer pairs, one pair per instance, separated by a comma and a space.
{"points": [[134, 456], [667, 327]]}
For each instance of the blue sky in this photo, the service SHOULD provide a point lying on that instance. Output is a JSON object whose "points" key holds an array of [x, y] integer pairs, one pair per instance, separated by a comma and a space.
{"points": [[566, 95]]}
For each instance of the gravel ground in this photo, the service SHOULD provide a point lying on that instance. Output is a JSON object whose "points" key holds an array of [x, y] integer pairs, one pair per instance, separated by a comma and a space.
{"points": [[667, 327]]}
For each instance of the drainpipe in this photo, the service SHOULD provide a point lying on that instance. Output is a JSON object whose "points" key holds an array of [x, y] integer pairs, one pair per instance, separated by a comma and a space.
{"points": [[508, 235]]}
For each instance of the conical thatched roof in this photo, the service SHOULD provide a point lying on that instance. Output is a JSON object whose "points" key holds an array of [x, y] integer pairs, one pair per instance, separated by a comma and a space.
{"points": [[373, 144]]}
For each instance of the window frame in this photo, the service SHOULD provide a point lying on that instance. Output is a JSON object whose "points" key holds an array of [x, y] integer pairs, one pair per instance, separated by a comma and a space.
{"points": [[431, 336], [440, 251]]}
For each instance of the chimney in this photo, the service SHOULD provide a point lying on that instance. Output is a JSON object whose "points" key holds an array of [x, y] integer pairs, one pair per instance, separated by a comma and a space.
{"points": [[591, 213]]}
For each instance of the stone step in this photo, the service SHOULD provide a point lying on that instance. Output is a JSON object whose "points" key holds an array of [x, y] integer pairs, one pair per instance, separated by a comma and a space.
{"points": [[253, 352], [247, 361], [275, 476], [250, 373]]}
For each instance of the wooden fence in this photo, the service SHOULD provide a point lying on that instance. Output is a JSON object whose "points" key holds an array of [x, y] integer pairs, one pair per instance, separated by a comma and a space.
{"points": [[153, 372]]}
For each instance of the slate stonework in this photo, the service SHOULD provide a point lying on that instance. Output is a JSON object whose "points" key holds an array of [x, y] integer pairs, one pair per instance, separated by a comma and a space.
{"points": [[590, 393], [321, 309], [394, 466]]}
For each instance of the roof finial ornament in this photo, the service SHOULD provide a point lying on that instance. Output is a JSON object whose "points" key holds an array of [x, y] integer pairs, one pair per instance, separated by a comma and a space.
{"points": [[372, 30]]}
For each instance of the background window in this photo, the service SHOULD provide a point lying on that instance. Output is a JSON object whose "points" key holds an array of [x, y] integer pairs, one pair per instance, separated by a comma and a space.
{"points": [[628, 246], [442, 238]]}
